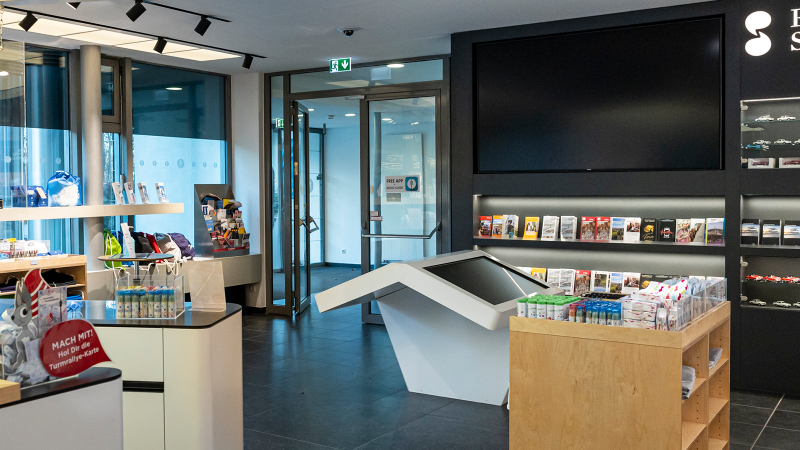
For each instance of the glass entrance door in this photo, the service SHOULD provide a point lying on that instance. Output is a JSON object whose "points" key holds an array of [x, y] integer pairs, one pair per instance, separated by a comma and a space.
{"points": [[400, 182], [303, 224]]}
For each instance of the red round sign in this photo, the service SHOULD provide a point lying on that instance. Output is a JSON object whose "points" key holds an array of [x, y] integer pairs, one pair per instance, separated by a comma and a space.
{"points": [[71, 347]]}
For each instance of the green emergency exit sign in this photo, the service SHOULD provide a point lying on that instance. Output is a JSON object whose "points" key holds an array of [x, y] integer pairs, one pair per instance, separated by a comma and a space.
{"points": [[340, 65], [279, 123]]}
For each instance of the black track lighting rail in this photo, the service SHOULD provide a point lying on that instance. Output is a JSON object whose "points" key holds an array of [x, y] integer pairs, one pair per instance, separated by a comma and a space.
{"points": [[139, 33], [185, 11]]}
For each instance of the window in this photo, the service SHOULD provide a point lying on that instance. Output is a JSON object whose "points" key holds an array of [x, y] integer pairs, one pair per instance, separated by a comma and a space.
{"points": [[179, 139], [34, 133]]}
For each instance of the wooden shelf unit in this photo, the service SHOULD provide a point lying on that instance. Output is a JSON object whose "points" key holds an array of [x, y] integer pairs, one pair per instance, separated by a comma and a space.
{"points": [[582, 386], [74, 265]]}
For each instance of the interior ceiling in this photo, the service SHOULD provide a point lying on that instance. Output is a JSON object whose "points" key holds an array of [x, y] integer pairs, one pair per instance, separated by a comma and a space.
{"points": [[302, 34]]}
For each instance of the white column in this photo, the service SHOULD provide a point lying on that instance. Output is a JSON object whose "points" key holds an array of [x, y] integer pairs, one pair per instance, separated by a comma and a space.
{"points": [[92, 148]]}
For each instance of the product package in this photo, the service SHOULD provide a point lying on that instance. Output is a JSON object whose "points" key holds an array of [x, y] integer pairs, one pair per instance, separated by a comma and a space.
{"points": [[64, 189], [162, 194], [567, 281], [761, 163], [143, 194], [554, 277], [569, 227], [588, 228], [715, 231], [117, 188], [698, 231], [616, 280], [649, 229], [583, 282], [550, 227], [682, 229], [485, 227], [631, 282], [617, 228], [770, 232], [511, 224], [539, 273], [531, 228], [497, 227], [129, 193], [603, 228], [666, 230], [791, 232], [750, 231], [599, 281], [633, 228]]}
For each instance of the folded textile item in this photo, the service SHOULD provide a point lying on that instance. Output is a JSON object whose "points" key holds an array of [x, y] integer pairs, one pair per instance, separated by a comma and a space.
{"points": [[713, 357], [10, 285], [56, 279], [688, 377]]}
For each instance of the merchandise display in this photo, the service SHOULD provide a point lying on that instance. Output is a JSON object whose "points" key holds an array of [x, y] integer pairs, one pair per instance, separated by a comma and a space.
{"points": [[770, 232], [710, 231], [151, 297], [224, 220], [671, 305], [64, 189], [769, 143]]}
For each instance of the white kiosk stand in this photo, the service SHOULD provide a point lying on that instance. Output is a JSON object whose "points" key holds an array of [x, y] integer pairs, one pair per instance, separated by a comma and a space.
{"points": [[447, 317]]}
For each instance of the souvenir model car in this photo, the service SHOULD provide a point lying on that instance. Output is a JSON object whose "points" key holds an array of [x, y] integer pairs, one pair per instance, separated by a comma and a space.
{"points": [[773, 278], [782, 142], [797, 305], [785, 118], [797, 142], [792, 162], [761, 142], [782, 304], [759, 163], [791, 280], [755, 278], [766, 118], [752, 147], [758, 302]]}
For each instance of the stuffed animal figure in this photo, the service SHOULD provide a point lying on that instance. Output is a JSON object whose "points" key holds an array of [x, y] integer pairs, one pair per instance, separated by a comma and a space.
{"points": [[19, 324]]}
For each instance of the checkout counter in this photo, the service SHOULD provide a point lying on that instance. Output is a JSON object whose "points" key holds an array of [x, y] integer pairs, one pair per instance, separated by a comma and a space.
{"points": [[447, 317]]}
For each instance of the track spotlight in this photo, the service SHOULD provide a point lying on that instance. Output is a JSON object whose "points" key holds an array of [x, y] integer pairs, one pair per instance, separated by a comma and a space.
{"points": [[248, 60], [160, 44], [28, 21], [74, 5], [137, 10], [202, 27]]}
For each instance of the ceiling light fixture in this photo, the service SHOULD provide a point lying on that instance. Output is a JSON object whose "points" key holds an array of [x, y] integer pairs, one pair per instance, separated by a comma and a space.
{"points": [[350, 115], [310, 109], [160, 44], [174, 88], [3, 73], [248, 60], [28, 21], [74, 5], [395, 66], [414, 123], [202, 27], [136, 11], [386, 119]]}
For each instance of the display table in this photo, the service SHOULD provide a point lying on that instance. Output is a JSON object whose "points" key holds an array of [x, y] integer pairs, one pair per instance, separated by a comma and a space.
{"points": [[182, 378], [83, 412], [584, 386], [447, 318]]}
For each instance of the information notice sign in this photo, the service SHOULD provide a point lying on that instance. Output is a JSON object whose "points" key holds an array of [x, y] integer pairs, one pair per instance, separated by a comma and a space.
{"points": [[71, 347]]}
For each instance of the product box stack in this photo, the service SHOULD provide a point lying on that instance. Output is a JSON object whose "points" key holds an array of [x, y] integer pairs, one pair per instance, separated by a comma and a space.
{"points": [[639, 314]]}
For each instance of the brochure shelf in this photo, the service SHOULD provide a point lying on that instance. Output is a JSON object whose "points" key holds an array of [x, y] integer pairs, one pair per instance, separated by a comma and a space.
{"points": [[778, 251], [623, 385], [622, 246]]}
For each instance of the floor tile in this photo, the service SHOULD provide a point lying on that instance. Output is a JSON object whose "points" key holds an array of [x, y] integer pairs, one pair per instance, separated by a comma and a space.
{"points": [[739, 447], [325, 355], [479, 413], [754, 398], [254, 440], [745, 434], [780, 439], [790, 403], [250, 334], [264, 376], [413, 402], [441, 433], [785, 419], [750, 415]]}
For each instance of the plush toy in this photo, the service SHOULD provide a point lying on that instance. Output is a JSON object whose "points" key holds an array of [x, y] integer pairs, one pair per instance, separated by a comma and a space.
{"points": [[19, 324]]}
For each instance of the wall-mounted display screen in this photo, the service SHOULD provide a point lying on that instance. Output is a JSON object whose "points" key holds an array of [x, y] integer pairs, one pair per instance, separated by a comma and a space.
{"points": [[635, 98], [487, 279]]}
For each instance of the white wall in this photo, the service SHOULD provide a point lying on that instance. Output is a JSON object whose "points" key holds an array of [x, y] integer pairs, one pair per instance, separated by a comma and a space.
{"points": [[342, 196], [247, 118]]}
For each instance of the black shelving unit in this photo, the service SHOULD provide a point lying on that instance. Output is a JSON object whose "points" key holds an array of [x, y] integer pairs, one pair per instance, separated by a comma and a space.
{"points": [[774, 251], [613, 246]]}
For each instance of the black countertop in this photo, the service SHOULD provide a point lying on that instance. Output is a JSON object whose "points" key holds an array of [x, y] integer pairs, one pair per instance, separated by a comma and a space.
{"points": [[90, 377], [189, 319]]}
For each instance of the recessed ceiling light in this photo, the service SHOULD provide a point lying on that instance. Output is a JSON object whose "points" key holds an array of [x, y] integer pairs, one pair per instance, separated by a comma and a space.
{"points": [[310, 109], [202, 54], [395, 66], [414, 123], [3, 73], [104, 37], [350, 115], [147, 47], [386, 119], [174, 89]]}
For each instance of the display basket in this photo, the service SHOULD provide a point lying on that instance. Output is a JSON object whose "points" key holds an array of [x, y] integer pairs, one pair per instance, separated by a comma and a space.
{"points": [[152, 297]]}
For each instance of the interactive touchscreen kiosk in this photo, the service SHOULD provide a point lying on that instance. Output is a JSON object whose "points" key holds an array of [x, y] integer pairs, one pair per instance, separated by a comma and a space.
{"points": [[447, 317]]}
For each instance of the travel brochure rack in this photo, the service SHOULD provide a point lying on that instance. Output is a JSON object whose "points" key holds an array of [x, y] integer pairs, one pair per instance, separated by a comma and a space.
{"points": [[581, 385]]}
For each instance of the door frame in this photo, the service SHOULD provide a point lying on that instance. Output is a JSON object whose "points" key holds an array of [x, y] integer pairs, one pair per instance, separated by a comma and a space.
{"points": [[367, 316], [300, 223], [443, 164]]}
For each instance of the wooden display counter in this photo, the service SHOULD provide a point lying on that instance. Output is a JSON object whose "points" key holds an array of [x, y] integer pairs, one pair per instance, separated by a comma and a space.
{"points": [[581, 386]]}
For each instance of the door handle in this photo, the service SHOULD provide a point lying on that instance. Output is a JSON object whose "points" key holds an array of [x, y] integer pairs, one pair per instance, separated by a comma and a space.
{"points": [[405, 236], [316, 226]]}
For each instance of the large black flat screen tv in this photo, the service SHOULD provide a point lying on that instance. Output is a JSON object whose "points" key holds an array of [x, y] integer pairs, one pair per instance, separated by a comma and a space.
{"points": [[634, 98]]}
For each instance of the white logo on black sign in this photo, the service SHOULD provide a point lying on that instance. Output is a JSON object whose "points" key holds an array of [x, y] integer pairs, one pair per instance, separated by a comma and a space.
{"points": [[754, 23]]}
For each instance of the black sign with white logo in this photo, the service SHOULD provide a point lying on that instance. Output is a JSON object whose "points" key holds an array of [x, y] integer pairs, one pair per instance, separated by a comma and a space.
{"points": [[770, 49]]}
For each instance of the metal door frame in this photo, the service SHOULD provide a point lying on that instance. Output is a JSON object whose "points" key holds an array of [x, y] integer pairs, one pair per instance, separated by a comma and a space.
{"points": [[300, 225], [366, 313]]}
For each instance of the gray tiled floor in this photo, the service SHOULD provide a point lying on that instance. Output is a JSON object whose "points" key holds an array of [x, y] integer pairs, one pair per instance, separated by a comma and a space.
{"points": [[764, 421], [322, 381]]}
